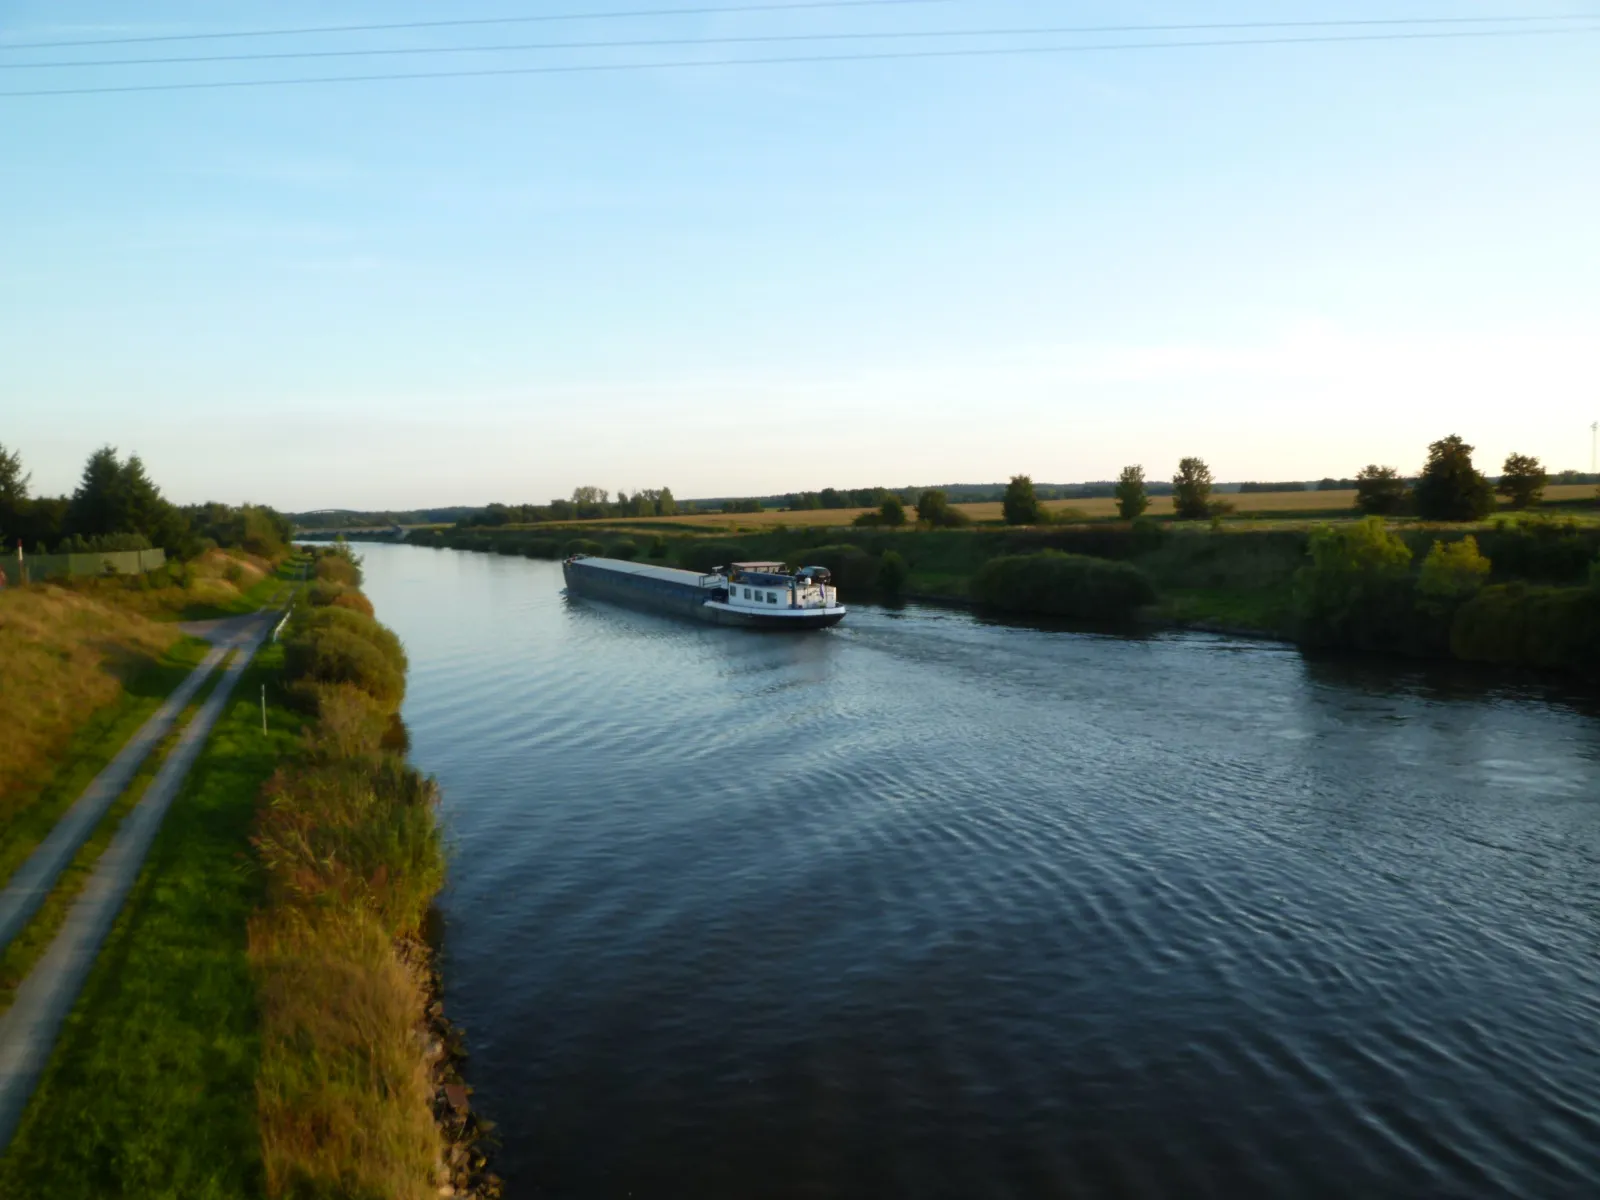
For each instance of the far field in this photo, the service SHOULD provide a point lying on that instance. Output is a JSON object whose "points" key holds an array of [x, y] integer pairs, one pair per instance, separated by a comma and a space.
{"points": [[1295, 506]]}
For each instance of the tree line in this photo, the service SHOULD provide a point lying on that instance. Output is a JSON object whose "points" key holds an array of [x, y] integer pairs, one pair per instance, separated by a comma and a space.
{"points": [[117, 506], [586, 504]]}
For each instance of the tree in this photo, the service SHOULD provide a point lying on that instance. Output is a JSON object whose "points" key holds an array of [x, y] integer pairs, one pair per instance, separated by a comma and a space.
{"points": [[13, 495], [1522, 480], [1450, 488], [666, 506], [932, 506], [1191, 490], [13, 481], [93, 509], [1380, 492], [892, 512], [1132, 499], [1021, 506]]}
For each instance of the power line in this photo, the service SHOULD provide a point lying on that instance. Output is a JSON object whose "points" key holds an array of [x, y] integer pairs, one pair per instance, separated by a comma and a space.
{"points": [[787, 6], [618, 68], [640, 43]]}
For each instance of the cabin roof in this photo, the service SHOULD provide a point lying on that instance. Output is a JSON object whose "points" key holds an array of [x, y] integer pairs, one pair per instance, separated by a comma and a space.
{"points": [[775, 568]]}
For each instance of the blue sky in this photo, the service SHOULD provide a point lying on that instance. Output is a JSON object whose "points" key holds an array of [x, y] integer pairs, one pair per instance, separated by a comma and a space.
{"points": [[1290, 260]]}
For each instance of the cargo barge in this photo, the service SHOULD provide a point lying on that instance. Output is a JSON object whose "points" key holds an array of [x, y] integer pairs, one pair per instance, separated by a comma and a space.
{"points": [[763, 595]]}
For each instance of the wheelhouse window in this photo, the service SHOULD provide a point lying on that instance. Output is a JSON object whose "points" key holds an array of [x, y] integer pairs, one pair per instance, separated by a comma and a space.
{"points": [[772, 597]]}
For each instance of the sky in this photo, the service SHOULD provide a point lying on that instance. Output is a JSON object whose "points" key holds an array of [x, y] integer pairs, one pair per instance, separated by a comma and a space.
{"points": [[1291, 260]]}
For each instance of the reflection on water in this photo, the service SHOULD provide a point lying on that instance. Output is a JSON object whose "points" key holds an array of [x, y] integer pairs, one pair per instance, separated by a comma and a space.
{"points": [[924, 906]]}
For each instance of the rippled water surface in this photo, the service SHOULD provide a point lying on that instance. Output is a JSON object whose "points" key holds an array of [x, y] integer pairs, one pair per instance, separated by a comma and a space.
{"points": [[924, 906]]}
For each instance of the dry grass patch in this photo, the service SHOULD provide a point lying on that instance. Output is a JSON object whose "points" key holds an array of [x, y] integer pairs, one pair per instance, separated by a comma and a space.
{"points": [[344, 1091], [65, 656]]}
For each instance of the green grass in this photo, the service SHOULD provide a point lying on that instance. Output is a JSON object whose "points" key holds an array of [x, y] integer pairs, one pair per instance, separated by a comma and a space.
{"points": [[151, 1090], [1266, 611], [94, 745], [18, 958]]}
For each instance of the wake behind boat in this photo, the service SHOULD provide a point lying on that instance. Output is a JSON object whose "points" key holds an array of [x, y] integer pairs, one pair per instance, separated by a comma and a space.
{"points": [[761, 595]]}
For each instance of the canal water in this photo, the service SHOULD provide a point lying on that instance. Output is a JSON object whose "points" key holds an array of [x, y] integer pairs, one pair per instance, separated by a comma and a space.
{"points": [[930, 907]]}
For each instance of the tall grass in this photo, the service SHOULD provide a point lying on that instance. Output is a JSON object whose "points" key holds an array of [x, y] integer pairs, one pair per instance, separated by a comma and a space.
{"points": [[63, 657], [352, 856]]}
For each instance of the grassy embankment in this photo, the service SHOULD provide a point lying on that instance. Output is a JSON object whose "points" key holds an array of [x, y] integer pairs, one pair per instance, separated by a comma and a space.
{"points": [[252, 1026], [18, 958], [84, 667]]}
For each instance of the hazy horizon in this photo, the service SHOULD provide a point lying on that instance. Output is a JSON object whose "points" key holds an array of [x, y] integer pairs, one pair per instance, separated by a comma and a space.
{"points": [[1290, 260]]}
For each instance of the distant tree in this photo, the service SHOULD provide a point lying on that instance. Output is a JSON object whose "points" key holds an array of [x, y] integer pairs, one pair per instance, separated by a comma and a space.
{"points": [[830, 498], [666, 506], [14, 503], [1335, 485], [892, 512], [1191, 490], [586, 496], [1132, 499], [1021, 506], [1450, 488], [1380, 492], [1522, 480], [94, 507], [932, 505], [13, 480]]}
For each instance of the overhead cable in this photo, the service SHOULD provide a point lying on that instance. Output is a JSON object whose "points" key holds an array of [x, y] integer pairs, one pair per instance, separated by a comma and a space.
{"points": [[883, 56]]}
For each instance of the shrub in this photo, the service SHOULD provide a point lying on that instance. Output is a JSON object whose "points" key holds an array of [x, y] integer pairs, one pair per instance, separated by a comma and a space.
{"points": [[339, 566], [1450, 488], [1453, 571], [626, 549], [1191, 490], [354, 602], [1021, 506], [1132, 499], [361, 625], [583, 546], [1357, 591], [1380, 492], [1518, 625], [541, 548], [855, 572], [233, 573], [892, 512], [868, 520], [1541, 548], [1063, 585], [892, 572], [342, 656], [658, 547]]}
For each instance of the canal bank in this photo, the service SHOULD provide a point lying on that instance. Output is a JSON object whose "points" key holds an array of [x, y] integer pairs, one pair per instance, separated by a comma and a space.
{"points": [[928, 904], [264, 1017]]}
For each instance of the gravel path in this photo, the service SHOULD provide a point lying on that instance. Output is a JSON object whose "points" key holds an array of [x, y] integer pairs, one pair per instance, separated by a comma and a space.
{"points": [[28, 1030], [28, 886]]}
